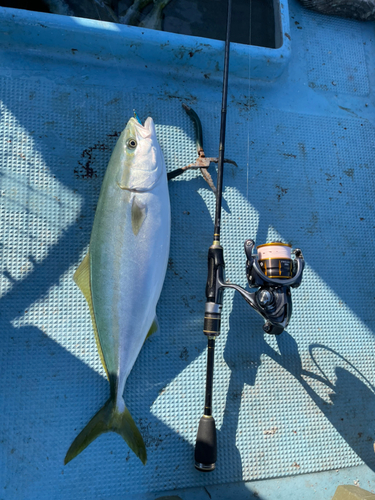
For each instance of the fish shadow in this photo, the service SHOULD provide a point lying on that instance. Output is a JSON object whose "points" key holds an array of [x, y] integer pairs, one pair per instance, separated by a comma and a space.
{"points": [[40, 390]]}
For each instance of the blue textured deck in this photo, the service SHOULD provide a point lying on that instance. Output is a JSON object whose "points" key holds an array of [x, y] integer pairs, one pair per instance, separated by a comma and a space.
{"points": [[304, 143]]}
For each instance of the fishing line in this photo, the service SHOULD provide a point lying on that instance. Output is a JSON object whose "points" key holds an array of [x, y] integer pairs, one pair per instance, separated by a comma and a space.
{"points": [[117, 64], [248, 122]]}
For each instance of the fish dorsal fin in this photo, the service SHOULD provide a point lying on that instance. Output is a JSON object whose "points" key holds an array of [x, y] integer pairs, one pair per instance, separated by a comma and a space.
{"points": [[139, 214], [82, 279], [154, 327]]}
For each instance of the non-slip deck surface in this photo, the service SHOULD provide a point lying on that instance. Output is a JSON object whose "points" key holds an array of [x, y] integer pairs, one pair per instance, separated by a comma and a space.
{"points": [[302, 402]]}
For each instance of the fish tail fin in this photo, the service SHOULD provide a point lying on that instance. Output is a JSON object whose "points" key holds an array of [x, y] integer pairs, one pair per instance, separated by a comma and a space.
{"points": [[109, 418]]}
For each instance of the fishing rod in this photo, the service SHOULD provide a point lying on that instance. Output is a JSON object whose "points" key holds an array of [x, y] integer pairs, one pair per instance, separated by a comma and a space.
{"points": [[271, 271]]}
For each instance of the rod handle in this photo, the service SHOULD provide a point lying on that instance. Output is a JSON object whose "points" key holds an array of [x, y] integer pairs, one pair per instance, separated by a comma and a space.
{"points": [[206, 445]]}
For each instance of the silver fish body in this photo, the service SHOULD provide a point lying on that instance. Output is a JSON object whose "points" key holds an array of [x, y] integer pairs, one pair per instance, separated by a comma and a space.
{"points": [[126, 266]]}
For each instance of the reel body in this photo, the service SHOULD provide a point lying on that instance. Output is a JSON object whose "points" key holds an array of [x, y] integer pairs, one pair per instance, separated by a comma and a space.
{"points": [[273, 298], [274, 277]]}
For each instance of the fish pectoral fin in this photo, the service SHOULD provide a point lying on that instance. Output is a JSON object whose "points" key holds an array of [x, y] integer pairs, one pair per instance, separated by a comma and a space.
{"points": [[82, 278], [139, 214], [109, 418], [154, 327]]}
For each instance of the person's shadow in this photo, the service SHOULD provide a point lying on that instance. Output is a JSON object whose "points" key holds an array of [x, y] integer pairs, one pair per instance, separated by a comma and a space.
{"points": [[351, 408]]}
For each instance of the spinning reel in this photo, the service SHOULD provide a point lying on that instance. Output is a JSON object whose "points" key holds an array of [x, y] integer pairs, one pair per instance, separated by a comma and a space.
{"points": [[272, 271]]}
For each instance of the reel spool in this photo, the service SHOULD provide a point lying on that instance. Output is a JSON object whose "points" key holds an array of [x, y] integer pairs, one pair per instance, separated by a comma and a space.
{"points": [[275, 260]]}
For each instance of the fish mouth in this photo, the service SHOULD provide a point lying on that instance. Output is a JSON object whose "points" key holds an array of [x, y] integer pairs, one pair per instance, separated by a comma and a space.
{"points": [[145, 131]]}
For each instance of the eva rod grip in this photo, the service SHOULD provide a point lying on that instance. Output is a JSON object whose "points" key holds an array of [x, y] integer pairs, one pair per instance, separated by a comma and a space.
{"points": [[206, 445]]}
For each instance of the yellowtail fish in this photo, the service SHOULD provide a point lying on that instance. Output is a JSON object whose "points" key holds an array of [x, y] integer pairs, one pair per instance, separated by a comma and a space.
{"points": [[123, 272]]}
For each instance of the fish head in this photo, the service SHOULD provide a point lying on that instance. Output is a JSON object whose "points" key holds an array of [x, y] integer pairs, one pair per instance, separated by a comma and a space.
{"points": [[141, 162]]}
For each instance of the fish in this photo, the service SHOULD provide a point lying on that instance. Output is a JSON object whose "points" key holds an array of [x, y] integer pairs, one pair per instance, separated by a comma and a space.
{"points": [[133, 14], [91, 9], [154, 18], [363, 10], [123, 273]]}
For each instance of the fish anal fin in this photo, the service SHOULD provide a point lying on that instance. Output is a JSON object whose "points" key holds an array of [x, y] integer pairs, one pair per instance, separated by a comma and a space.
{"points": [[139, 214], [82, 278], [154, 327]]}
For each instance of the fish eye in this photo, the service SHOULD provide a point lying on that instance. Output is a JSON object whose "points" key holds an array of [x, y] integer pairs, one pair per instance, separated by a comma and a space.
{"points": [[131, 143]]}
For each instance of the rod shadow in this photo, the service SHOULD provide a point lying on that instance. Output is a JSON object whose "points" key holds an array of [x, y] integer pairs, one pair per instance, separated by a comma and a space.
{"points": [[352, 401]]}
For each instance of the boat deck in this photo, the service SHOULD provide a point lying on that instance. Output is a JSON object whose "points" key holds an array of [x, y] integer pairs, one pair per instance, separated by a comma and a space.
{"points": [[295, 414]]}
